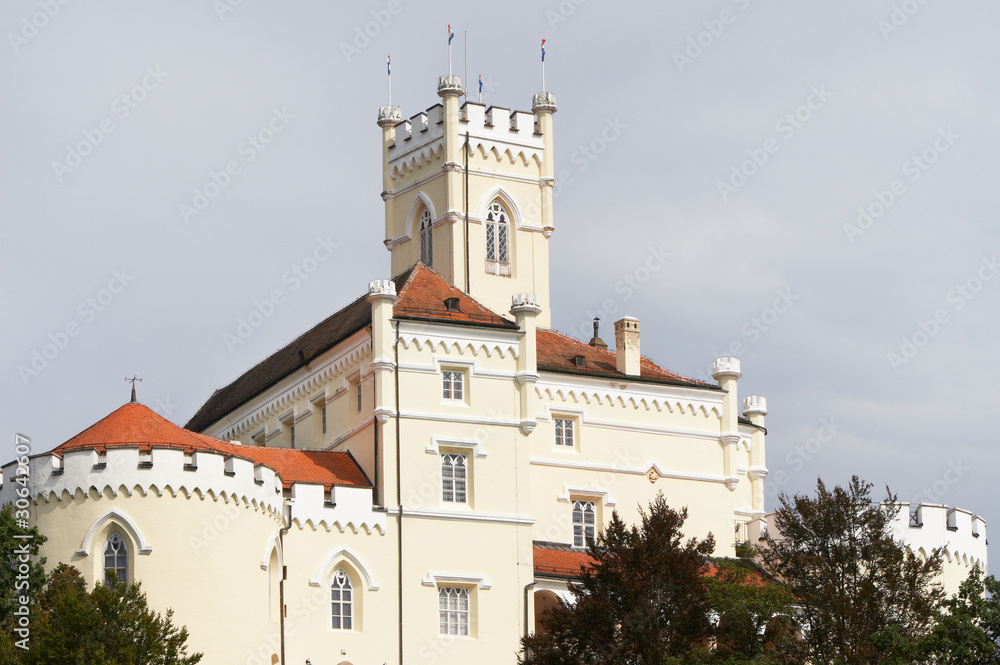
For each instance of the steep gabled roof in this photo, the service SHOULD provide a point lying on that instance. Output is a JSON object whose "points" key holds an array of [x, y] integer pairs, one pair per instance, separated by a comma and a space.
{"points": [[421, 294], [137, 426]]}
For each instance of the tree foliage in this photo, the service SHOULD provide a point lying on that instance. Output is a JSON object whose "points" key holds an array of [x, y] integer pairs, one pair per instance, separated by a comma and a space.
{"points": [[21, 572], [968, 630], [642, 601], [865, 599], [111, 625]]}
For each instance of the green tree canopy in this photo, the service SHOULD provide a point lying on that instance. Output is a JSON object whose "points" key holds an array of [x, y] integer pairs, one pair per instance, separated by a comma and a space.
{"points": [[865, 598]]}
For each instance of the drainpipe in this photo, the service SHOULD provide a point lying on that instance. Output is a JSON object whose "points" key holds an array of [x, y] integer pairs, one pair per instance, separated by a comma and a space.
{"points": [[399, 497], [281, 582], [527, 590]]}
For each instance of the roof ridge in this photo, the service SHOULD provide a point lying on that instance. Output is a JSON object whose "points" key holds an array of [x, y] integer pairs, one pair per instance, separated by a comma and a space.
{"points": [[413, 270]]}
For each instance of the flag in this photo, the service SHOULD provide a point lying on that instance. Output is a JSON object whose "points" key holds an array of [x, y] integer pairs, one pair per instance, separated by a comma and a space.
{"points": [[543, 50], [388, 66], [451, 35], [480, 84]]}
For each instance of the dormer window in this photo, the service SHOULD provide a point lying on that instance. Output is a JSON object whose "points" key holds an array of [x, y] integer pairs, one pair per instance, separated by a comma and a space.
{"points": [[426, 240], [451, 305], [497, 240]]}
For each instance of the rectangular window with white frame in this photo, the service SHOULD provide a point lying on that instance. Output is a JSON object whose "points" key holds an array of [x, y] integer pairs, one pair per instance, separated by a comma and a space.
{"points": [[453, 611], [565, 432], [454, 478], [453, 384], [584, 522]]}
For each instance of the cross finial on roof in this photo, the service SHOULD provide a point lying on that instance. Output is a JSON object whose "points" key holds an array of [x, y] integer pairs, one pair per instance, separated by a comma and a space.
{"points": [[132, 381]]}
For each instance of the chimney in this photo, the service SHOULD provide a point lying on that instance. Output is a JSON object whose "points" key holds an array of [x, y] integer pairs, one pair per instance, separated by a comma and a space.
{"points": [[627, 345], [596, 340]]}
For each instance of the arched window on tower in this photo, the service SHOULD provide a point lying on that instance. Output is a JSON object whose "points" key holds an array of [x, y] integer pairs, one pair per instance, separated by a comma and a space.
{"points": [[426, 240], [342, 601], [115, 560], [497, 240]]}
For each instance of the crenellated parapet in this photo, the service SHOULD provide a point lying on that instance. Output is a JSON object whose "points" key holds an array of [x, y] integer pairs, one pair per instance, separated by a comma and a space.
{"points": [[127, 471], [957, 533], [342, 508]]}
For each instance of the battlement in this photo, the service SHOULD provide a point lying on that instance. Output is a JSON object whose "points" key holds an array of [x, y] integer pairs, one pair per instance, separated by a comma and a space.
{"points": [[489, 128], [128, 470], [341, 507], [959, 534]]}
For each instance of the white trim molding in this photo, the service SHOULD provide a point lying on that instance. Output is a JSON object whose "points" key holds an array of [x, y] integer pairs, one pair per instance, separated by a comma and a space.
{"points": [[122, 520], [570, 491], [471, 444], [435, 579], [353, 559]]}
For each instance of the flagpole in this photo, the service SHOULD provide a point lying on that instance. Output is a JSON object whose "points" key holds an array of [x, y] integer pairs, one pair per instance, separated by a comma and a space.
{"points": [[388, 71], [449, 51], [480, 88], [543, 65]]}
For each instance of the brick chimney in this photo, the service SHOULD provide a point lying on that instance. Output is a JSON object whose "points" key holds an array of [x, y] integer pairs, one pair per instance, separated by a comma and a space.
{"points": [[627, 345]]}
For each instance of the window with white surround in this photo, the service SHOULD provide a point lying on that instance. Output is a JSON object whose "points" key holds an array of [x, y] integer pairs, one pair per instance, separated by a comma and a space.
{"points": [[452, 385], [342, 601], [426, 239], [497, 240], [564, 432], [453, 478], [584, 522], [360, 395], [453, 611], [115, 560]]}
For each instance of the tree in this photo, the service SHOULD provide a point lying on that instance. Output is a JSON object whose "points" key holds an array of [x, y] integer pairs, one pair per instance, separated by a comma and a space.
{"points": [[865, 598], [754, 625], [642, 601], [21, 572], [111, 625], [968, 630]]}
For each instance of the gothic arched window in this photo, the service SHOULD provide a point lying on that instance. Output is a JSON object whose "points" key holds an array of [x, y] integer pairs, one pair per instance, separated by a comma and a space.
{"points": [[426, 240], [341, 601], [115, 560], [497, 240]]}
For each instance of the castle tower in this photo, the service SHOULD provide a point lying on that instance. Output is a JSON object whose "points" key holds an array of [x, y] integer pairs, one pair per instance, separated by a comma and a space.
{"points": [[468, 191]]}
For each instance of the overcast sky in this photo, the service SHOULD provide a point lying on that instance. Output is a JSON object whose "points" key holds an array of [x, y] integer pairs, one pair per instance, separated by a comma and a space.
{"points": [[821, 175]]}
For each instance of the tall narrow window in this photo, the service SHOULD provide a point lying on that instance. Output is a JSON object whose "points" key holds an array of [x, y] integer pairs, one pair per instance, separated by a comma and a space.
{"points": [[453, 478], [564, 432], [359, 395], [453, 611], [452, 384], [115, 560], [583, 522], [497, 234], [323, 416], [291, 434], [426, 240], [342, 602]]}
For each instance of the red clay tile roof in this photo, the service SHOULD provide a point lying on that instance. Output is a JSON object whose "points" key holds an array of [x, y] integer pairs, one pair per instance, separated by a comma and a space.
{"points": [[554, 560], [136, 425], [423, 295], [559, 560], [556, 352]]}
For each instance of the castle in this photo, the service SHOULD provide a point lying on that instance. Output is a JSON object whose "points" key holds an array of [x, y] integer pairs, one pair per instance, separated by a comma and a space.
{"points": [[412, 480]]}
